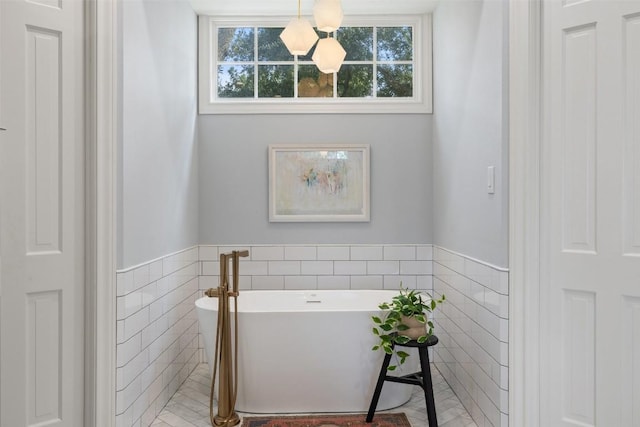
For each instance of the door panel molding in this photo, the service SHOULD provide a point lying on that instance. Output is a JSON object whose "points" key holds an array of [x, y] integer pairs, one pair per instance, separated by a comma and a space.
{"points": [[630, 351], [579, 137], [631, 185], [44, 353], [44, 134], [578, 364]]}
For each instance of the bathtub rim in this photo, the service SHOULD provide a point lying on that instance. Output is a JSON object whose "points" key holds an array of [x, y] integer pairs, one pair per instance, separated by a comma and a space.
{"points": [[210, 303]]}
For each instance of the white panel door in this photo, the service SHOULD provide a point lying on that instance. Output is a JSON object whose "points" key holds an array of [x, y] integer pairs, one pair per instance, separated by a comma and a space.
{"points": [[590, 223], [41, 213]]}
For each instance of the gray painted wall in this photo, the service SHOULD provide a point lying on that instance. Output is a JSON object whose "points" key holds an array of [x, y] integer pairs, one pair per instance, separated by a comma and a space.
{"points": [[234, 177], [428, 173], [158, 176], [470, 128]]}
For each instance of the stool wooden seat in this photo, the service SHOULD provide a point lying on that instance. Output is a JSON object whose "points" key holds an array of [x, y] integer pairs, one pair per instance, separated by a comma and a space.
{"points": [[421, 378]]}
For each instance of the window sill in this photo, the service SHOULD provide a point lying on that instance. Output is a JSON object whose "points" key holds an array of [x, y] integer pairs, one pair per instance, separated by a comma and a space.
{"points": [[307, 106]]}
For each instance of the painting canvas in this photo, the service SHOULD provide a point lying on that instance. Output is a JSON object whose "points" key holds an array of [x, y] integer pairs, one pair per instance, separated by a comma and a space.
{"points": [[318, 183]]}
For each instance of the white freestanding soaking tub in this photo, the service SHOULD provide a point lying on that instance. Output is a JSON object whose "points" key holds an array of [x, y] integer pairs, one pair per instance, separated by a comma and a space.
{"points": [[307, 351]]}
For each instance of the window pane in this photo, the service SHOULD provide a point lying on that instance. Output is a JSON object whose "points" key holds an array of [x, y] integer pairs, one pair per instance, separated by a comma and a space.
{"points": [[395, 80], [250, 62], [314, 84], [358, 42], [395, 43], [275, 81], [235, 44], [235, 81], [271, 47], [355, 81]]}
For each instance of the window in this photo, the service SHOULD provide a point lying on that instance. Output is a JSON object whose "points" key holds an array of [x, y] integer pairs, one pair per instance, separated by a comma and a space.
{"points": [[245, 68]]}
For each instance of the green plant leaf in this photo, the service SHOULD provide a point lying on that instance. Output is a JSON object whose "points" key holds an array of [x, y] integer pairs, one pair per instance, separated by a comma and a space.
{"points": [[375, 331], [420, 318], [386, 327], [422, 339], [376, 319], [402, 354], [402, 327], [394, 315], [402, 339], [391, 368], [433, 304], [375, 348]]}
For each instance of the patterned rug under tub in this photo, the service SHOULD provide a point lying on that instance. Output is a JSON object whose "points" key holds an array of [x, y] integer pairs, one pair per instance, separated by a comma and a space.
{"points": [[322, 420]]}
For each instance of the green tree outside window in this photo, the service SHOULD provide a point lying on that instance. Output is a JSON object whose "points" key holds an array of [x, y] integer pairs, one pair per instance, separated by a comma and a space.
{"points": [[252, 62]]}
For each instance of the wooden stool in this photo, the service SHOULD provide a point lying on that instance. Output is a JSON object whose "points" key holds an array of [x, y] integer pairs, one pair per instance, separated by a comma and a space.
{"points": [[422, 378]]}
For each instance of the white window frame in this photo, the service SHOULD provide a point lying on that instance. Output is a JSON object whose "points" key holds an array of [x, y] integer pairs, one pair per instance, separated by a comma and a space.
{"points": [[420, 103]]}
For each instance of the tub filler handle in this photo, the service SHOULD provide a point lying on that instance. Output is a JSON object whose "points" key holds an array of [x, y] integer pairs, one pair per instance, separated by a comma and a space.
{"points": [[215, 293], [212, 292]]}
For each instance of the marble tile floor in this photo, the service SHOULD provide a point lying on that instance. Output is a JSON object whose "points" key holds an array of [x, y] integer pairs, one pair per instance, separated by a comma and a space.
{"points": [[189, 407]]}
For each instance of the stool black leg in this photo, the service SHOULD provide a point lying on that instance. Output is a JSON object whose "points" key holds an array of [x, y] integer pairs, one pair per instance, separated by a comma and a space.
{"points": [[427, 385], [376, 394]]}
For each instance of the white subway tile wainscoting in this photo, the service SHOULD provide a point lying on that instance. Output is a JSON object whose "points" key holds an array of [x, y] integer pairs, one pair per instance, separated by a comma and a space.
{"points": [[157, 334], [322, 266], [473, 328], [159, 346]]}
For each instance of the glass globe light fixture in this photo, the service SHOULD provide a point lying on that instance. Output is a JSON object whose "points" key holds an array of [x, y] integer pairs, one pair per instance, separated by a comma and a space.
{"points": [[298, 36], [329, 55], [328, 15]]}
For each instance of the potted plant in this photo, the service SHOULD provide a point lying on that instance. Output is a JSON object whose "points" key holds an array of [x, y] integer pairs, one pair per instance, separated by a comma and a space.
{"points": [[404, 319]]}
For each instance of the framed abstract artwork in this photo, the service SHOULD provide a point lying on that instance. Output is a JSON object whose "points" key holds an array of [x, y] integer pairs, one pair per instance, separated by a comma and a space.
{"points": [[319, 183]]}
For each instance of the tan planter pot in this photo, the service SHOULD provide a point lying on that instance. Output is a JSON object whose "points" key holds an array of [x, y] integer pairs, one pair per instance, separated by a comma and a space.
{"points": [[416, 328]]}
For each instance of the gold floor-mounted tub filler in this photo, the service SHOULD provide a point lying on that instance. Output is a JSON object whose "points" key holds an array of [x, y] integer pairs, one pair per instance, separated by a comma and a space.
{"points": [[223, 356]]}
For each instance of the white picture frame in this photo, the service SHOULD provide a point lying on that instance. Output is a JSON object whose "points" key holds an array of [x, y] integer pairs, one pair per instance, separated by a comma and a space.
{"points": [[319, 183]]}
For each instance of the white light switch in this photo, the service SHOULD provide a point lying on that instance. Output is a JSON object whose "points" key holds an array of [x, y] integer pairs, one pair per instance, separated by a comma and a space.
{"points": [[491, 179]]}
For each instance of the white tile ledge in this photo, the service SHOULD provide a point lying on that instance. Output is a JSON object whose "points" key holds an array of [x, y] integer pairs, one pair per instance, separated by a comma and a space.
{"points": [[319, 245], [142, 264], [487, 264]]}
